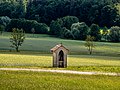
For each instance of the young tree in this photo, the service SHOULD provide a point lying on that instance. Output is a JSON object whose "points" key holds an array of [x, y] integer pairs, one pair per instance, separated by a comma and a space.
{"points": [[17, 38], [33, 31], [89, 43], [2, 29]]}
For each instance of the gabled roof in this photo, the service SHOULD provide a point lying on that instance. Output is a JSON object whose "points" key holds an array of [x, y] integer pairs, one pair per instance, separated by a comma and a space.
{"points": [[57, 47]]}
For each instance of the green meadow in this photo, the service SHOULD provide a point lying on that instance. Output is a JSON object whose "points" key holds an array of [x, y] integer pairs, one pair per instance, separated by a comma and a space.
{"points": [[14, 80], [75, 62], [60, 17], [35, 53], [43, 44]]}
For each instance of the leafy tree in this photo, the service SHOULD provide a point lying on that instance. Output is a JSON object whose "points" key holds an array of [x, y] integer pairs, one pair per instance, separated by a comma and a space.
{"points": [[4, 20], [6, 9], [79, 30], [17, 38], [66, 33], [95, 31], [19, 12], [105, 33], [12, 10], [114, 35], [101, 12], [69, 20], [27, 25], [56, 27], [75, 33], [33, 31], [10, 1], [2, 29], [85, 7], [89, 43], [94, 14], [108, 15]]}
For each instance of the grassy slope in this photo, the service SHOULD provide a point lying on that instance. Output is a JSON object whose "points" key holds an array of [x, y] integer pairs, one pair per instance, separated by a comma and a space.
{"points": [[11, 80], [75, 62], [43, 43], [36, 54], [36, 47]]}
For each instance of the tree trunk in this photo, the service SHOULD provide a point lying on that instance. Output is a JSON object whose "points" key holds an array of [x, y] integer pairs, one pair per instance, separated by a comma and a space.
{"points": [[17, 49], [1, 32], [90, 50]]}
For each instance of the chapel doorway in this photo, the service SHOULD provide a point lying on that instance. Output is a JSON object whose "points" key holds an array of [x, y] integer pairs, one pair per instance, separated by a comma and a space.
{"points": [[61, 59]]}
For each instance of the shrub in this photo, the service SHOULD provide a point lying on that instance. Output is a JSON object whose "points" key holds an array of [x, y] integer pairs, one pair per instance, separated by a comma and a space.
{"points": [[114, 35], [4, 20], [79, 30], [27, 25], [69, 20], [66, 33], [56, 27]]}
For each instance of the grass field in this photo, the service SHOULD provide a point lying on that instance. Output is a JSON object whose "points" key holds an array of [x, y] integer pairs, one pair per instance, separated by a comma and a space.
{"points": [[13, 80], [75, 62], [35, 53], [43, 44]]}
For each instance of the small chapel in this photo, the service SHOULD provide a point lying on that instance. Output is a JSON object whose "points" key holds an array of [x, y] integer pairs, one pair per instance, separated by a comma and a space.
{"points": [[59, 56]]}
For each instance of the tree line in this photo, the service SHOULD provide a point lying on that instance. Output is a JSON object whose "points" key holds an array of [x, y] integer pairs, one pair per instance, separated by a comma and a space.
{"points": [[101, 12], [72, 19], [69, 27]]}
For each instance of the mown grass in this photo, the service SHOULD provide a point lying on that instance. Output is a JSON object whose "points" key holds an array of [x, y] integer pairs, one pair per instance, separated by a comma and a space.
{"points": [[75, 62], [35, 53], [20, 80], [43, 44]]}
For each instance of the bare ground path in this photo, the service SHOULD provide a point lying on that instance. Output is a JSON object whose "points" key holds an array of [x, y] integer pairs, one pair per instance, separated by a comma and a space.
{"points": [[61, 71]]}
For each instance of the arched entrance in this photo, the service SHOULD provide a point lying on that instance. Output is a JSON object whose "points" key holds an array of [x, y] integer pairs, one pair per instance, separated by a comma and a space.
{"points": [[61, 59]]}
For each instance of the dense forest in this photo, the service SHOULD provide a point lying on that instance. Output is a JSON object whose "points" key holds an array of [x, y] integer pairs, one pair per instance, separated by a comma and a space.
{"points": [[72, 19]]}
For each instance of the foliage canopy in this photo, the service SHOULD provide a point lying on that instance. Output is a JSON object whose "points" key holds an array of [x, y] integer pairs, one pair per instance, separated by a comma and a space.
{"points": [[17, 38]]}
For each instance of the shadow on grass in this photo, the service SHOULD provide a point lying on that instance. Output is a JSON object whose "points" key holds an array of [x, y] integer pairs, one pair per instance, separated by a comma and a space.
{"points": [[35, 53]]}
